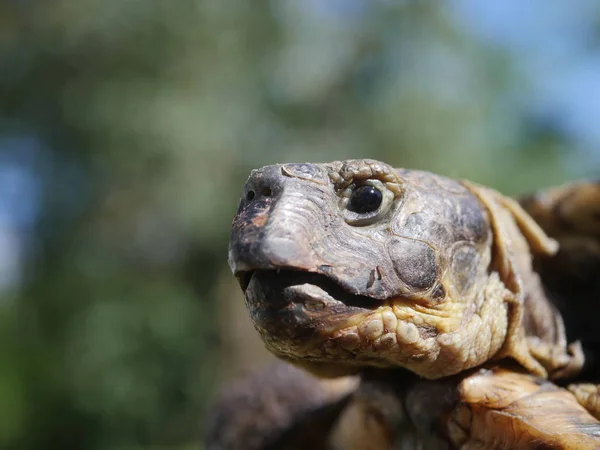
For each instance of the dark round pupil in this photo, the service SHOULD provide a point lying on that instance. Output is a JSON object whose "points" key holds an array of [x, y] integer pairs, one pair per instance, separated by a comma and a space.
{"points": [[365, 199]]}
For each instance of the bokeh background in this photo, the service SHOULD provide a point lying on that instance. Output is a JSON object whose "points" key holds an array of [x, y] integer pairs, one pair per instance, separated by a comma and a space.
{"points": [[128, 127]]}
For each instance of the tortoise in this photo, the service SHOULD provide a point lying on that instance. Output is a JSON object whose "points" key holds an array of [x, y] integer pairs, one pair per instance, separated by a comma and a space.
{"points": [[451, 315]]}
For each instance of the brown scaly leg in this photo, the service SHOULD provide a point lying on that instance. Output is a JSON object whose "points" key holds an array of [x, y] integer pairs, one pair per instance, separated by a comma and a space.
{"points": [[491, 409], [500, 409]]}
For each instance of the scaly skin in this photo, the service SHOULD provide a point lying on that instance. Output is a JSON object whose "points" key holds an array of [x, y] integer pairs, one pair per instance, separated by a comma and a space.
{"points": [[499, 409]]}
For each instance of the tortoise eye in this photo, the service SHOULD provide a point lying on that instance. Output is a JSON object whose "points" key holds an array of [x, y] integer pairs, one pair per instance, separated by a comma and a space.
{"points": [[366, 203], [365, 199]]}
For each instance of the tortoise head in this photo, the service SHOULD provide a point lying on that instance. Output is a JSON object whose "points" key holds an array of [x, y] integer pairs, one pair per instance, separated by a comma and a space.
{"points": [[352, 264]]}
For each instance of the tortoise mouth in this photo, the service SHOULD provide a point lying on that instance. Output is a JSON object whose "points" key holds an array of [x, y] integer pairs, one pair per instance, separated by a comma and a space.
{"points": [[317, 292]]}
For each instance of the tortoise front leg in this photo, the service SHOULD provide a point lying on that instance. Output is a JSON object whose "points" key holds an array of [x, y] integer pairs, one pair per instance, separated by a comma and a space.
{"points": [[500, 409], [489, 409], [493, 409]]}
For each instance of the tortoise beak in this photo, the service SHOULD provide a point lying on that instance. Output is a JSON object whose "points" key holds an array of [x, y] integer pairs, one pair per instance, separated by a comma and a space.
{"points": [[268, 233]]}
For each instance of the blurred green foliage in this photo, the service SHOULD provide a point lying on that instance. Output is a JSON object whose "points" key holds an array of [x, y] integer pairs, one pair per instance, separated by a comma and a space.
{"points": [[146, 117]]}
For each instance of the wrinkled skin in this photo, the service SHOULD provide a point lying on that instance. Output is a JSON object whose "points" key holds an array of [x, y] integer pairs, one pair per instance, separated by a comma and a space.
{"points": [[325, 285], [437, 280]]}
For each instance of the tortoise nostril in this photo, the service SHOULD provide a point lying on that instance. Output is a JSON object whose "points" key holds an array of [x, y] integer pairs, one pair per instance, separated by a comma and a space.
{"points": [[263, 192], [257, 193]]}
